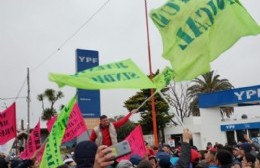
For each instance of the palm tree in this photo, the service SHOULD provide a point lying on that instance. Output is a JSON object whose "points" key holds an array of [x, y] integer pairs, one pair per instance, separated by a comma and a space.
{"points": [[207, 83], [52, 96]]}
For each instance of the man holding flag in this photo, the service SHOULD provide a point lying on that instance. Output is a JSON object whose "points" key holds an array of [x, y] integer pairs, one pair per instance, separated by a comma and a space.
{"points": [[105, 132]]}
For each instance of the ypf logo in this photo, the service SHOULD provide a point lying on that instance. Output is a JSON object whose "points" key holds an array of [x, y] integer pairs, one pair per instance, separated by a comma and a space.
{"points": [[230, 127]]}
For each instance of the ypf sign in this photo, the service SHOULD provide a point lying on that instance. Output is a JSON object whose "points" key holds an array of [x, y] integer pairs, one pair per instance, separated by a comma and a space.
{"points": [[88, 100]]}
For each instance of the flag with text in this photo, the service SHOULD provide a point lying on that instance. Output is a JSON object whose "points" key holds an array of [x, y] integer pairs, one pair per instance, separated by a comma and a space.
{"points": [[136, 142], [8, 124], [75, 127], [194, 33], [123, 74], [34, 143], [52, 155]]}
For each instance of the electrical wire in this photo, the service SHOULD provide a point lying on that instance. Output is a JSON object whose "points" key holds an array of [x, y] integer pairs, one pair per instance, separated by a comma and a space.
{"points": [[71, 36]]}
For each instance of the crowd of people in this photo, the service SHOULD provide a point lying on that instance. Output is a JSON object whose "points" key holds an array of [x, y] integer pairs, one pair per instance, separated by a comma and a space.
{"points": [[97, 153], [88, 154]]}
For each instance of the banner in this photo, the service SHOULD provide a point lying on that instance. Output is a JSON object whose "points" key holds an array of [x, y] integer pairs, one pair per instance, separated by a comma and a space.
{"points": [[52, 156], [75, 127], [123, 74], [194, 33], [33, 143], [136, 142], [8, 124], [164, 78]]}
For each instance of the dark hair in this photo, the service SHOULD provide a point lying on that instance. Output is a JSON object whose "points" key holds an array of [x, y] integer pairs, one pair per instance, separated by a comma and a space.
{"points": [[228, 148], [167, 146], [153, 158], [102, 117], [224, 157], [144, 164], [250, 158], [258, 156]]}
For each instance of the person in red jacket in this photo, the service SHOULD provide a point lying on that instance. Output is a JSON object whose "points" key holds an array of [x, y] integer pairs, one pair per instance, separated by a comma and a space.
{"points": [[105, 132]]}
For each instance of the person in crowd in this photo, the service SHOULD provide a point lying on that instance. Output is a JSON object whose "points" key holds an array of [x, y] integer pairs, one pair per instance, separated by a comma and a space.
{"points": [[70, 162], [236, 164], [63, 166], [210, 158], [105, 133], [243, 149], [124, 164], [153, 161], [248, 160], [252, 143], [84, 154], [223, 159], [184, 159], [144, 164], [164, 159], [149, 150], [104, 157], [236, 153], [167, 148], [257, 161], [209, 145], [3, 163], [135, 159]]}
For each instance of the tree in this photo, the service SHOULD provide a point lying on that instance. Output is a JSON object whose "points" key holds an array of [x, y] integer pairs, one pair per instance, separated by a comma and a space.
{"points": [[207, 83], [161, 108], [176, 94], [52, 96], [125, 130]]}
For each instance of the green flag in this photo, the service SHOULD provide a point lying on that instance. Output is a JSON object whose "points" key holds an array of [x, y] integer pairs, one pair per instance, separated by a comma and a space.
{"points": [[52, 157], [123, 74], [194, 33], [164, 78]]}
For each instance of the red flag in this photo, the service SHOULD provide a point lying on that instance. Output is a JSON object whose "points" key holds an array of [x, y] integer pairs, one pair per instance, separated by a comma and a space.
{"points": [[75, 127], [8, 124], [136, 142], [33, 143]]}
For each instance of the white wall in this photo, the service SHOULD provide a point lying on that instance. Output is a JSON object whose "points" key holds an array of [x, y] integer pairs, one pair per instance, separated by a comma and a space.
{"points": [[210, 127], [206, 128]]}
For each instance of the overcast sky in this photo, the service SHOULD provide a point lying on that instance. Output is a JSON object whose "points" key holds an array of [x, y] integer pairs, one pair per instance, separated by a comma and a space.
{"points": [[32, 31]]}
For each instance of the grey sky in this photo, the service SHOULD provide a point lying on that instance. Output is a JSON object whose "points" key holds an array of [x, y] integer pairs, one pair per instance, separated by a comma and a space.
{"points": [[32, 30]]}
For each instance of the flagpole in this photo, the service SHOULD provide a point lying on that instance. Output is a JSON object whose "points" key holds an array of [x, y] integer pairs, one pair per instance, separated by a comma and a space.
{"points": [[151, 76], [28, 103]]}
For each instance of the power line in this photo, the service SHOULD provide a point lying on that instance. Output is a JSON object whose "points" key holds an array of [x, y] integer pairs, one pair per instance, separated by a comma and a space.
{"points": [[18, 94], [71, 36], [6, 98]]}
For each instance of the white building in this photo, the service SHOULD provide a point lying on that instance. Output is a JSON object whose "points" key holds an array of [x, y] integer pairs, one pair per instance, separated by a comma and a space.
{"points": [[211, 127]]}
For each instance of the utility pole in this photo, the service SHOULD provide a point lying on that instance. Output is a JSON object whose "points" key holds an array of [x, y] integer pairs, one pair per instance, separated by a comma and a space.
{"points": [[28, 103], [151, 76]]}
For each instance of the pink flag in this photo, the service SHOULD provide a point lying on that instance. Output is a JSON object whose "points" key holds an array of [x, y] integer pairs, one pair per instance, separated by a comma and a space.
{"points": [[33, 143], [75, 127], [50, 123], [8, 124], [136, 142], [40, 153]]}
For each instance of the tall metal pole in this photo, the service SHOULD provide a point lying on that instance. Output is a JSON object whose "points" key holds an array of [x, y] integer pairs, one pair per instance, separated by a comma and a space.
{"points": [[28, 103], [151, 76]]}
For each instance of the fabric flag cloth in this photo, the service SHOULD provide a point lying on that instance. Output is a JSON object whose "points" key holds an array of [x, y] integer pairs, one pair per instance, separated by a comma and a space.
{"points": [[136, 142], [75, 127], [194, 33], [8, 124], [52, 156], [33, 143], [123, 74], [164, 78]]}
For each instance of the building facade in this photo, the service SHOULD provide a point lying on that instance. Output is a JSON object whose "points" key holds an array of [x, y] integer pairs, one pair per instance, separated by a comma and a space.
{"points": [[213, 127]]}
